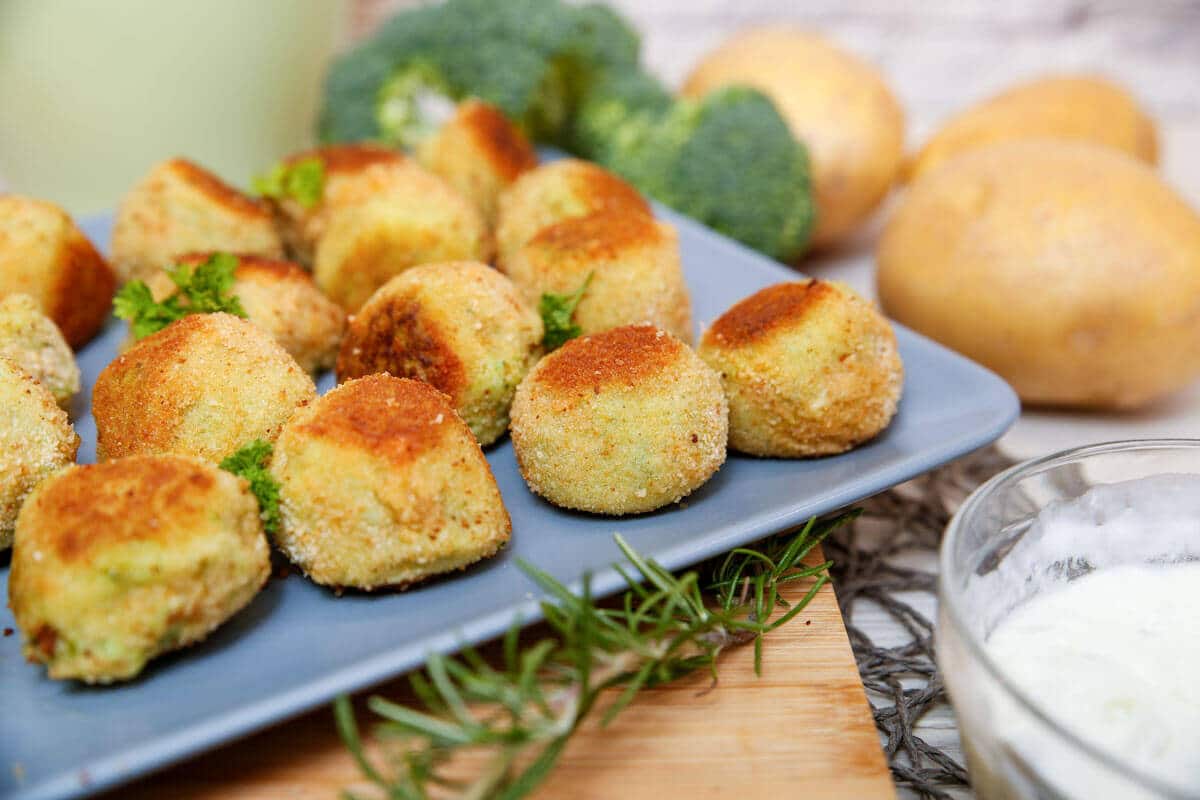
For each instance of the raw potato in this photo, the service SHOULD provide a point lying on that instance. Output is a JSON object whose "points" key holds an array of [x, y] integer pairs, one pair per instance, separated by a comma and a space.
{"points": [[34, 343], [1085, 108], [181, 208], [1068, 268], [835, 103], [44, 255], [116, 563]]}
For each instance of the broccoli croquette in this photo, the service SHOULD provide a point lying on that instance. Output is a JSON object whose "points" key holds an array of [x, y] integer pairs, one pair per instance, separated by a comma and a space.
{"points": [[43, 255], [419, 220], [810, 369], [381, 484], [181, 208], [203, 386], [480, 153], [619, 422], [281, 298], [36, 439], [558, 191], [34, 343], [461, 327], [634, 263], [351, 174], [116, 563]]}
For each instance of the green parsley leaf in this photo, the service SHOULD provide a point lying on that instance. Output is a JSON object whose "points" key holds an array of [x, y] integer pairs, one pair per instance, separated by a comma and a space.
{"points": [[250, 463], [557, 311], [200, 290], [303, 181]]}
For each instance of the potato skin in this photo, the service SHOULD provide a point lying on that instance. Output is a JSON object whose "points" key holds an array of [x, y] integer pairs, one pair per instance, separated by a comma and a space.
{"points": [[461, 327], [637, 276], [557, 191], [838, 105], [809, 368], [204, 386], [1076, 107], [619, 422], [180, 207], [381, 484], [420, 219], [35, 344], [1068, 268], [36, 439], [44, 255], [118, 562], [480, 153], [281, 298]]}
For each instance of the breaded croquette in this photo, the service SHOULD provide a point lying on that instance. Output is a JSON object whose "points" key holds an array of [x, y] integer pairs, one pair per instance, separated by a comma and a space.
{"points": [[350, 174], [35, 440], [203, 386], [460, 326], [480, 153], [181, 208], [44, 255], [810, 369], [116, 563], [557, 191], [619, 422], [420, 219], [281, 298], [633, 261], [381, 484], [34, 343]]}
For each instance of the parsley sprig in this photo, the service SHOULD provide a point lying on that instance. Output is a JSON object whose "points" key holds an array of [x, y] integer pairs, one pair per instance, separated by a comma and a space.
{"points": [[250, 462], [203, 289], [303, 181], [557, 312], [520, 713]]}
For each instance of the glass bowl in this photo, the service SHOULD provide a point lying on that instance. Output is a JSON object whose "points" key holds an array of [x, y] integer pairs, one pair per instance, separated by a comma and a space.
{"points": [[994, 557]]}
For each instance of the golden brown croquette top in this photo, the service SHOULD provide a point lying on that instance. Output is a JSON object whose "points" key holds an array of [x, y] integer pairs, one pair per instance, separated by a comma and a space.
{"points": [[607, 190], [393, 335], [508, 151], [339, 158], [216, 189], [394, 418], [764, 312], [603, 234], [622, 355], [91, 509], [83, 290]]}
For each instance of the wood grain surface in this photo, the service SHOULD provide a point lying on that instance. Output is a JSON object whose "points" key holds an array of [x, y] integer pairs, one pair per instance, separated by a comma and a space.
{"points": [[801, 729]]}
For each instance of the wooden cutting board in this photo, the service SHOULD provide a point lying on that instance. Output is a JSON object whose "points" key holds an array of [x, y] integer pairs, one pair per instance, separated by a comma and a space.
{"points": [[802, 729]]}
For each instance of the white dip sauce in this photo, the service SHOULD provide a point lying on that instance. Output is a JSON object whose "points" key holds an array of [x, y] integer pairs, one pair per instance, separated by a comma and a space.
{"points": [[1114, 656]]}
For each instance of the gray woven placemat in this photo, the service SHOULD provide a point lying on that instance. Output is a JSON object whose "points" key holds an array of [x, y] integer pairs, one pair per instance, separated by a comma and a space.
{"points": [[888, 559]]}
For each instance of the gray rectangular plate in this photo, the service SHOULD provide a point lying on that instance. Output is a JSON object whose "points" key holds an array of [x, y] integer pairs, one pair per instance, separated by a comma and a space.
{"points": [[298, 645]]}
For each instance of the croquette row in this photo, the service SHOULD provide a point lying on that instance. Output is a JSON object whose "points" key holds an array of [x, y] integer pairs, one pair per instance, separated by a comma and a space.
{"points": [[622, 421]]}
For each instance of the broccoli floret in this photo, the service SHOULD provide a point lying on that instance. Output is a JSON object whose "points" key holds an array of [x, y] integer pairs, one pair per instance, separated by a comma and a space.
{"points": [[413, 104], [530, 58], [608, 107], [728, 160]]}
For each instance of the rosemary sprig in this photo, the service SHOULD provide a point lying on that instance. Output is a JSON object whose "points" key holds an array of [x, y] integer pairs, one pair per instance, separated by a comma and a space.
{"points": [[521, 713]]}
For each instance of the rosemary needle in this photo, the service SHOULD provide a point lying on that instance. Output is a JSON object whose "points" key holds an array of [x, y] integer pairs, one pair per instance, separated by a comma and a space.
{"points": [[521, 713]]}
